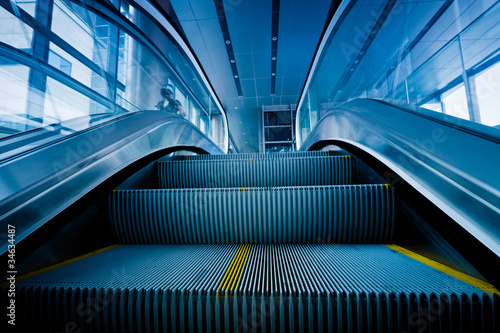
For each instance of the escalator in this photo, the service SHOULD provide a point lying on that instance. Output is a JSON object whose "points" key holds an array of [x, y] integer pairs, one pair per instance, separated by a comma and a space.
{"points": [[304, 241]]}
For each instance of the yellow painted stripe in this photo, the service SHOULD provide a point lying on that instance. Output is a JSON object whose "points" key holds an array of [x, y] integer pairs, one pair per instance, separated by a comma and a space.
{"points": [[230, 268], [234, 271], [233, 274], [238, 273], [480, 284], [61, 264]]}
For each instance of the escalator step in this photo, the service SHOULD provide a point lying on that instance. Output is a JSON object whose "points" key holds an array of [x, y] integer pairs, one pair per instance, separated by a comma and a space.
{"points": [[254, 156], [303, 171], [315, 287], [332, 214]]}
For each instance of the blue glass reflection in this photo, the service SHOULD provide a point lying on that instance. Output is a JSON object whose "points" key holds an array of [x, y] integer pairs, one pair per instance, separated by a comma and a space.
{"points": [[439, 55]]}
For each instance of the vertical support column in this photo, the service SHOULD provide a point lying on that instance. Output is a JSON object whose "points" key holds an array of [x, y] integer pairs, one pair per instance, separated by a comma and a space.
{"points": [[470, 90], [262, 143], [105, 54], [292, 109], [37, 79], [113, 59], [472, 101]]}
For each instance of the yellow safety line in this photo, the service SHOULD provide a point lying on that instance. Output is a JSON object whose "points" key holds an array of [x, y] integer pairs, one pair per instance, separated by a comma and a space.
{"points": [[230, 268], [243, 262], [61, 264], [233, 274], [478, 283], [235, 269]]}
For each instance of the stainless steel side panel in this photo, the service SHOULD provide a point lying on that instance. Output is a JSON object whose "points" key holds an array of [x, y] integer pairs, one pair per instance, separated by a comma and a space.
{"points": [[37, 186], [444, 158]]}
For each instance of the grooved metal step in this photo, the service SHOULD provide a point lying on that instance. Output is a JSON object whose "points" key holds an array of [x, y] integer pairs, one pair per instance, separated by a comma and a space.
{"points": [[254, 156], [287, 288], [300, 171], [340, 214]]}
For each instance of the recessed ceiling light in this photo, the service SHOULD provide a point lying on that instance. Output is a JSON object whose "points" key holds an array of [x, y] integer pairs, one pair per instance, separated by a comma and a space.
{"points": [[236, 107], [273, 74], [232, 61], [275, 38], [228, 41], [273, 58], [236, 76]]}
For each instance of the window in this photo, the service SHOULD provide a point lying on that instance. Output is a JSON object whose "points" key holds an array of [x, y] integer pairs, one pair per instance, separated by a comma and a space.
{"points": [[14, 32], [59, 62], [488, 95], [13, 88], [455, 102]]}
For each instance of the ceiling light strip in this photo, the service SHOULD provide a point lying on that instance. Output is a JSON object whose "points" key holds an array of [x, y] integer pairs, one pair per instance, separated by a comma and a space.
{"points": [[219, 6], [274, 43]]}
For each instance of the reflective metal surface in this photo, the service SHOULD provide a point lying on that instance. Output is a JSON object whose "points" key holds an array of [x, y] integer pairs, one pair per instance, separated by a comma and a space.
{"points": [[453, 163], [38, 185], [23, 142]]}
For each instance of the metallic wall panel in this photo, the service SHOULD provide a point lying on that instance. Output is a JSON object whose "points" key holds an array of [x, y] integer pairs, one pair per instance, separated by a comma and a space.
{"points": [[452, 162], [315, 214], [299, 171], [287, 288], [40, 184]]}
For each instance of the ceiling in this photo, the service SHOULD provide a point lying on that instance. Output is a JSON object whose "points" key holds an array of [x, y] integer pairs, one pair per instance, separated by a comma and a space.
{"points": [[219, 31]]}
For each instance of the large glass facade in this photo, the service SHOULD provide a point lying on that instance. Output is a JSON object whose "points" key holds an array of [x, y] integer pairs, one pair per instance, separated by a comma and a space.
{"points": [[438, 55], [63, 59]]}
